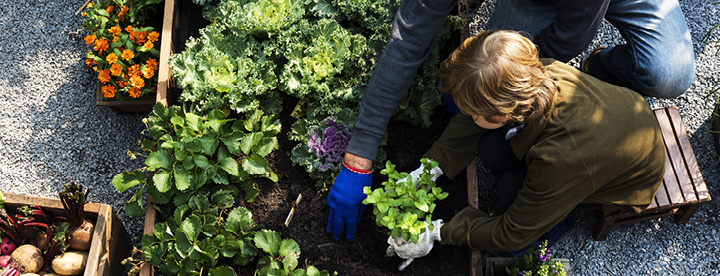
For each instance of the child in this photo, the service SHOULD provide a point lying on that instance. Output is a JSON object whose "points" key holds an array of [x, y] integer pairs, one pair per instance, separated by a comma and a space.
{"points": [[552, 136]]}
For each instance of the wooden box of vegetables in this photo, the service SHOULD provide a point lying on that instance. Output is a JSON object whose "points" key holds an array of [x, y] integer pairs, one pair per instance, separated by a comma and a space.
{"points": [[109, 243]]}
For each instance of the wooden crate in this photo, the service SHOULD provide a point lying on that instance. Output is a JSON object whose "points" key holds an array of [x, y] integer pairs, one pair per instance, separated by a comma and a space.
{"points": [[140, 105], [110, 243]]}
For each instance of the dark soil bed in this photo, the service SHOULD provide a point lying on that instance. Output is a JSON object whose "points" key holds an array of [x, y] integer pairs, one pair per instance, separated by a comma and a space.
{"points": [[365, 256]]}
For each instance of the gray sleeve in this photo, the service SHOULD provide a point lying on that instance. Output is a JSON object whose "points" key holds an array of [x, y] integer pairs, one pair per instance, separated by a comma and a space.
{"points": [[415, 25]]}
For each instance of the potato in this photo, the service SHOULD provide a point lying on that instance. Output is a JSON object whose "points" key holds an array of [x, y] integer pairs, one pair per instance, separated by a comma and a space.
{"points": [[29, 257], [70, 263], [29, 274]]}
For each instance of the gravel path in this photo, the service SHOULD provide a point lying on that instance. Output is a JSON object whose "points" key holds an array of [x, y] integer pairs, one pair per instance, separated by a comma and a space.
{"points": [[52, 133], [656, 247]]}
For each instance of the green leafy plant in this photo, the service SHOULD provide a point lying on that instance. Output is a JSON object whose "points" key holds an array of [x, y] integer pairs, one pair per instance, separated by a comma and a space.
{"points": [[282, 256], [537, 262], [186, 151], [205, 237], [405, 207]]}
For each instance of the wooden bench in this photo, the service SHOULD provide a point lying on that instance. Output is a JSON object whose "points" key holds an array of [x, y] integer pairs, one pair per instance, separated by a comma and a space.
{"points": [[683, 188]]}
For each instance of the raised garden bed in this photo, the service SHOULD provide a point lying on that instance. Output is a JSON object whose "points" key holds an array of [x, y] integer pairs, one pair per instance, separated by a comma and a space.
{"points": [[110, 243], [366, 256]]}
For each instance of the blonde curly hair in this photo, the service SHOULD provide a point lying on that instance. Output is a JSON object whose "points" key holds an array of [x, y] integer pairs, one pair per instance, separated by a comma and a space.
{"points": [[498, 73]]}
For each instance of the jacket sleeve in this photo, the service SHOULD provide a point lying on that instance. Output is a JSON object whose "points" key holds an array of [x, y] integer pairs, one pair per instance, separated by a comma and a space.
{"points": [[415, 25], [575, 25], [550, 191], [457, 145]]}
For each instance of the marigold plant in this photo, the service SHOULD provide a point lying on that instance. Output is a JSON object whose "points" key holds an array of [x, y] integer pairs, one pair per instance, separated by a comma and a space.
{"points": [[125, 57]]}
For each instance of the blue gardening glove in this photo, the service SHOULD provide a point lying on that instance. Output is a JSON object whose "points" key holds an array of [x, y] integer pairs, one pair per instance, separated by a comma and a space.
{"points": [[345, 202]]}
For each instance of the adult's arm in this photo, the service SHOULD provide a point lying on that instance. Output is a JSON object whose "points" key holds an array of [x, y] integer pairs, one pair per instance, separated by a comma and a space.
{"points": [[415, 25], [575, 26]]}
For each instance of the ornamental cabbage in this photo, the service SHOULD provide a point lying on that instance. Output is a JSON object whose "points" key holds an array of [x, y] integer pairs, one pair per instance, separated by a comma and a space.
{"points": [[322, 145]]}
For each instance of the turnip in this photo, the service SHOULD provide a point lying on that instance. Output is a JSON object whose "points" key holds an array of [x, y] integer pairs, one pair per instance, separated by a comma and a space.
{"points": [[70, 263], [81, 229], [25, 259]]}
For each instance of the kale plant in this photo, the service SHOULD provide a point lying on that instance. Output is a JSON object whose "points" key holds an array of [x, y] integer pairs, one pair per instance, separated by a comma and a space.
{"points": [[219, 70], [405, 207], [187, 152]]}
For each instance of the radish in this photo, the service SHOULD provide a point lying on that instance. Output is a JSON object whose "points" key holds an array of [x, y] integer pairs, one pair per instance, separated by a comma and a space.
{"points": [[4, 260], [7, 246]]}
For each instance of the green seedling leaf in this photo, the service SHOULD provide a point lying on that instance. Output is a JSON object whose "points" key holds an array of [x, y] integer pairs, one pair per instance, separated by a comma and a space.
{"points": [[201, 161], [239, 221], [193, 121], [290, 251], [183, 179], [222, 271], [255, 164]]}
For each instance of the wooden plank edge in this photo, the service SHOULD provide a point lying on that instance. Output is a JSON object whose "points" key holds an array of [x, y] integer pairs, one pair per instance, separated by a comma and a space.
{"points": [[165, 50], [673, 183], [98, 252], [474, 201], [150, 219], [692, 167]]}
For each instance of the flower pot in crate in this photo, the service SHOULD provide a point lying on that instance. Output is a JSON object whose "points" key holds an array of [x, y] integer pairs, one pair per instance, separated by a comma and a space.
{"points": [[110, 243]]}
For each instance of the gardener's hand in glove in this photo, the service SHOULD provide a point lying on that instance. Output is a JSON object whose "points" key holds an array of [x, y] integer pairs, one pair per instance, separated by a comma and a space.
{"points": [[415, 175], [345, 201], [409, 250]]}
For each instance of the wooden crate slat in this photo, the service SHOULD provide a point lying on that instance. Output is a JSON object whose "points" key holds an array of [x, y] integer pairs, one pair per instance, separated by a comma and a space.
{"points": [[674, 158], [700, 192], [652, 205]]}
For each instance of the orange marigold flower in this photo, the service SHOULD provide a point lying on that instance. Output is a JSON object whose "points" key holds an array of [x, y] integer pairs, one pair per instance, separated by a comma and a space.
{"points": [[134, 70], [148, 45], [111, 58], [129, 29], [109, 9], [115, 30], [138, 37], [152, 64], [89, 62], [115, 39], [137, 81], [108, 91], [134, 92], [89, 39], [153, 36], [90, 5], [148, 72], [104, 76], [123, 10], [127, 54], [101, 45], [121, 84], [116, 69]]}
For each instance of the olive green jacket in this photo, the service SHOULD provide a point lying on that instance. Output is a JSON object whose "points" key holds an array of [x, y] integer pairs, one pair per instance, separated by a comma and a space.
{"points": [[598, 143]]}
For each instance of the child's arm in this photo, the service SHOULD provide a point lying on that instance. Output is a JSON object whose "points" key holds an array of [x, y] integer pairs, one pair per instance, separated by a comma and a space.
{"points": [[457, 146]]}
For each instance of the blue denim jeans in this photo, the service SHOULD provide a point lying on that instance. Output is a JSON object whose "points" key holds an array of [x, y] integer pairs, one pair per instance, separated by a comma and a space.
{"points": [[658, 59]]}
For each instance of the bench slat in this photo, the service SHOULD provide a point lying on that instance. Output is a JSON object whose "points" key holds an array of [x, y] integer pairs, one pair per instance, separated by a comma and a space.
{"points": [[700, 193], [674, 158]]}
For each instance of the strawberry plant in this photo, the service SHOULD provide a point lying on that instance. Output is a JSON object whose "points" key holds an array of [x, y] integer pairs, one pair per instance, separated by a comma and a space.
{"points": [[282, 256], [404, 205], [186, 152]]}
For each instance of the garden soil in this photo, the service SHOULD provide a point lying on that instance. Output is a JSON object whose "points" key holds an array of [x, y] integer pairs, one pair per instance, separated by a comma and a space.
{"points": [[366, 255]]}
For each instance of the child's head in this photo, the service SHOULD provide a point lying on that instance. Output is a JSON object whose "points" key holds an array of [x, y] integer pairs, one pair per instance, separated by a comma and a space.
{"points": [[497, 73]]}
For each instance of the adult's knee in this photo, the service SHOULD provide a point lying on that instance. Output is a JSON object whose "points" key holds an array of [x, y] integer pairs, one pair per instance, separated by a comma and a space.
{"points": [[668, 78]]}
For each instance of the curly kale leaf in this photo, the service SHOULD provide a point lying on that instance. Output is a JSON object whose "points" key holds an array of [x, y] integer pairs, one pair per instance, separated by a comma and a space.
{"points": [[260, 16], [325, 63], [219, 69]]}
